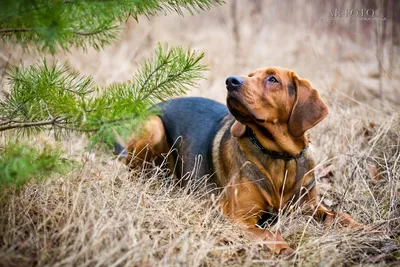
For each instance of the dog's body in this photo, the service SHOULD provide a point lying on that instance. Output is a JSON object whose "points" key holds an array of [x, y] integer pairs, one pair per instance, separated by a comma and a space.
{"points": [[256, 152], [193, 133]]}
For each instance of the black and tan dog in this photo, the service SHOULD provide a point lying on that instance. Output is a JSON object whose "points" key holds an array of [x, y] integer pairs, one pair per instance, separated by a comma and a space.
{"points": [[256, 152]]}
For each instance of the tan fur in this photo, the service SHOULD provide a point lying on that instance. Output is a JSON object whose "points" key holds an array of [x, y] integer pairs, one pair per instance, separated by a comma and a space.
{"points": [[238, 129], [149, 144]]}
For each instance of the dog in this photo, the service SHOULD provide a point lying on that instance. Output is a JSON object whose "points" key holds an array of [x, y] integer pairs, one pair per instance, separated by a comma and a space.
{"points": [[255, 149]]}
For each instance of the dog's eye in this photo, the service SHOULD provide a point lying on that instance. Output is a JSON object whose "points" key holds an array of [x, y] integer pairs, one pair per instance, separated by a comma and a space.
{"points": [[272, 79]]}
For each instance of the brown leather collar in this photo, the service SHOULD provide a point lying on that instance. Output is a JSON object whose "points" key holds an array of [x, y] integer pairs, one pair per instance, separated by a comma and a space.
{"points": [[272, 154]]}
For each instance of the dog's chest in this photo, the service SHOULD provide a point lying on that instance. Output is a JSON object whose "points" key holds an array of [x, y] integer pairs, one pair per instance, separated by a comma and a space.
{"points": [[279, 180]]}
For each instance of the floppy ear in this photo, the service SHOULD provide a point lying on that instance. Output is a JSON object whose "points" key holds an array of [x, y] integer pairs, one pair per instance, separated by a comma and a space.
{"points": [[308, 109], [238, 129]]}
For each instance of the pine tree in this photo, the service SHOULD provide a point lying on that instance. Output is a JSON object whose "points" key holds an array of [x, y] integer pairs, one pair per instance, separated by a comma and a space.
{"points": [[46, 97], [49, 25]]}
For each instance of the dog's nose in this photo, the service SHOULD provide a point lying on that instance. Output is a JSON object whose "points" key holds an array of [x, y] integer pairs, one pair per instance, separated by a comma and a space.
{"points": [[233, 83]]}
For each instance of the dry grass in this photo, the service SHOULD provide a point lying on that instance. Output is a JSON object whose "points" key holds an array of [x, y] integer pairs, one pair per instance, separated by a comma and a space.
{"points": [[102, 215]]}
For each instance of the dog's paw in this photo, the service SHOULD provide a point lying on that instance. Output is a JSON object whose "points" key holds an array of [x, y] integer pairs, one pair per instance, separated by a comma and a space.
{"points": [[344, 220], [287, 253]]}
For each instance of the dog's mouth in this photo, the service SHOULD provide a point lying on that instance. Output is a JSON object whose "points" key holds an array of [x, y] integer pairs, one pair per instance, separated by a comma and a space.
{"points": [[240, 111]]}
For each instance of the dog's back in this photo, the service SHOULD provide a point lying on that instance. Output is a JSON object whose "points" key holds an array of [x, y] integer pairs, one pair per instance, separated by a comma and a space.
{"points": [[191, 124]]}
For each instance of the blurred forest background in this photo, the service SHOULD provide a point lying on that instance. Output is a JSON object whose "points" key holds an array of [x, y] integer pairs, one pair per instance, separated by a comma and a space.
{"points": [[319, 40]]}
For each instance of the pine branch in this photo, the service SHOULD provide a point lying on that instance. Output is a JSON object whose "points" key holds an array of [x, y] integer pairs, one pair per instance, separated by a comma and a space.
{"points": [[50, 25], [10, 31], [12, 124], [172, 74], [55, 97], [19, 162]]}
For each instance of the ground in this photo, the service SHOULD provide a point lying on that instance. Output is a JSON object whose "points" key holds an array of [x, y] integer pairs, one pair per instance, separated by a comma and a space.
{"points": [[101, 214]]}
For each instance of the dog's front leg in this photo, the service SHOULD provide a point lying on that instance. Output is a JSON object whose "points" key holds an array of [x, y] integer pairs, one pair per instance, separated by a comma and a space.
{"points": [[273, 240], [243, 203], [329, 216]]}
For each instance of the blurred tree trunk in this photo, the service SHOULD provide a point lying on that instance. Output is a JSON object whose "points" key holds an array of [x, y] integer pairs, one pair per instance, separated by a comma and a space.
{"points": [[395, 19], [235, 33]]}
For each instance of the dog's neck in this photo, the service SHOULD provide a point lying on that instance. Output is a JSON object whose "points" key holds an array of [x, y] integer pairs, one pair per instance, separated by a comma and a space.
{"points": [[271, 153], [276, 137]]}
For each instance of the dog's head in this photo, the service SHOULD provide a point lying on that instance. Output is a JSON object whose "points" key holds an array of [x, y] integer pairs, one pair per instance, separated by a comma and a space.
{"points": [[274, 97]]}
